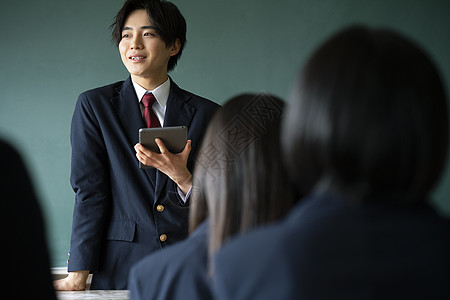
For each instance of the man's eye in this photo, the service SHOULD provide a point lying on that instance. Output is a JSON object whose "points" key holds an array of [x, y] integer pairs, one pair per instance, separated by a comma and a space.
{"points": [[125, 35], [149, 34]]}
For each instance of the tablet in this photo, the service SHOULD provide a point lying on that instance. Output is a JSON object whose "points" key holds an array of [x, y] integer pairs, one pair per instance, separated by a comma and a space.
{"points": [[173, 137]]}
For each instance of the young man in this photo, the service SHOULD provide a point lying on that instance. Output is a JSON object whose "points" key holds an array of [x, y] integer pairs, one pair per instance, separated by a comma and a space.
{"points": [[122, 212]]}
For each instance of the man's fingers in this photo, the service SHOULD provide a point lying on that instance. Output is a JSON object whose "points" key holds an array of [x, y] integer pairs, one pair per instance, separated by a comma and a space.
{"points": [[187, 148], [161, 146], [139, 149], [142, 151]]}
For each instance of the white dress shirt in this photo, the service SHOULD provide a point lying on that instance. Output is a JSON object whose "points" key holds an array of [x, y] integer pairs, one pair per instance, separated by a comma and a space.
{"points": [[161, 94]]}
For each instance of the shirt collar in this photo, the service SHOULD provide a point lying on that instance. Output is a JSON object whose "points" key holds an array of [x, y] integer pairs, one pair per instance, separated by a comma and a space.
{"points": [[161, 93]]}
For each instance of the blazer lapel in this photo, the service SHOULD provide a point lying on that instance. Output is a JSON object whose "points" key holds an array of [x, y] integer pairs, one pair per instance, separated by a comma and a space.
{"points": [[178, 113], [129, 114]]}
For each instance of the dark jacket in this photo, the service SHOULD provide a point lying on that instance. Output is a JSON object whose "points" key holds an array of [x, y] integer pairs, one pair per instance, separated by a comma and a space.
{"points": [[117, 217], [177, 272], [329, 248]]}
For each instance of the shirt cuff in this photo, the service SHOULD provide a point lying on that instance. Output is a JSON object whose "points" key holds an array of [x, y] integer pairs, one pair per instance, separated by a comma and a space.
{"points": [[182, 195]]}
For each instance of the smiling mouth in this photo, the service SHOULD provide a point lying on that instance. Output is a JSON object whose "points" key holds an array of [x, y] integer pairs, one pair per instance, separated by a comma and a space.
{"points": [[137, 58]]}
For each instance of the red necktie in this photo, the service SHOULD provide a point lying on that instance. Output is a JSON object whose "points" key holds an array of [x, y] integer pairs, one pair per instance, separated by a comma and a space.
{"points": [[149, 115]]}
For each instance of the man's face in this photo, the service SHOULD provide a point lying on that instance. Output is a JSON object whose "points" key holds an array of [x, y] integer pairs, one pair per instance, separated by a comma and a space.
{"points": [[142, 50]]}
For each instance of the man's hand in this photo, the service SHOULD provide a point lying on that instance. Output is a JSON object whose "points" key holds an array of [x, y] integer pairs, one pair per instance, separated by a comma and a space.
{"points": [[76, 281], [173, 165]]}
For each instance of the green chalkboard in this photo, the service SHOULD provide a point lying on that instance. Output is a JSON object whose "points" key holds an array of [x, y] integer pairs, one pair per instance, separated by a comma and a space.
{"points": [[53, 50]]}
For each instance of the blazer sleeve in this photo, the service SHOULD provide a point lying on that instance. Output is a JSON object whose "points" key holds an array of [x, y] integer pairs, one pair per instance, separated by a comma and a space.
{"points": [[90, 182]]}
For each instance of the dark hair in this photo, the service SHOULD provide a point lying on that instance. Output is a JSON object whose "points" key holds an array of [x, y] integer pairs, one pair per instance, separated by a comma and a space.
{"points": [[238, 177], [165, 16], [370, 117]]}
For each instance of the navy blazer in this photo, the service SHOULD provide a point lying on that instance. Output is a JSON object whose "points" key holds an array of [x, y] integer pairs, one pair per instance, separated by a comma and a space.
{"points": [[177, 272], [121, 212], [328, 248]]}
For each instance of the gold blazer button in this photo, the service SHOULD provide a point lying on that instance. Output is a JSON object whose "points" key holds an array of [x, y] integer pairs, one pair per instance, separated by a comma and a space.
{"points": [[163, 237]]}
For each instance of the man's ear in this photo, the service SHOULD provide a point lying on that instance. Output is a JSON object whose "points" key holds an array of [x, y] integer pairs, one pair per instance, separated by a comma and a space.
{"points": [[175, 48]]}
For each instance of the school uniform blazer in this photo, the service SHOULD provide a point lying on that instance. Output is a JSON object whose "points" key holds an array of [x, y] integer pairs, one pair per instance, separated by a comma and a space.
{"points": [[328, 248], [178, 272], [122, 212]]}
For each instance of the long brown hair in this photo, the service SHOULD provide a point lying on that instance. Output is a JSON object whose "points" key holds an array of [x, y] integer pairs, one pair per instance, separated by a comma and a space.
{"points": [[239, 180]]}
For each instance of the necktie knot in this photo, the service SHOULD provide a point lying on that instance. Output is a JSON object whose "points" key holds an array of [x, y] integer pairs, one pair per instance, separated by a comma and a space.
{"points": [[148, 100]]}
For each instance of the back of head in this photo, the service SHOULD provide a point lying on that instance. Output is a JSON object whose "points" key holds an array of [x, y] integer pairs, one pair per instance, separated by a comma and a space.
{"points": [[369, 115], [238, 170]]}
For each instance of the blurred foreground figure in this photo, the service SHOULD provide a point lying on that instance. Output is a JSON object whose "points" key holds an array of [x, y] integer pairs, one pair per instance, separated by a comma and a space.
{"points": [[365, 136], [24, 247]]}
